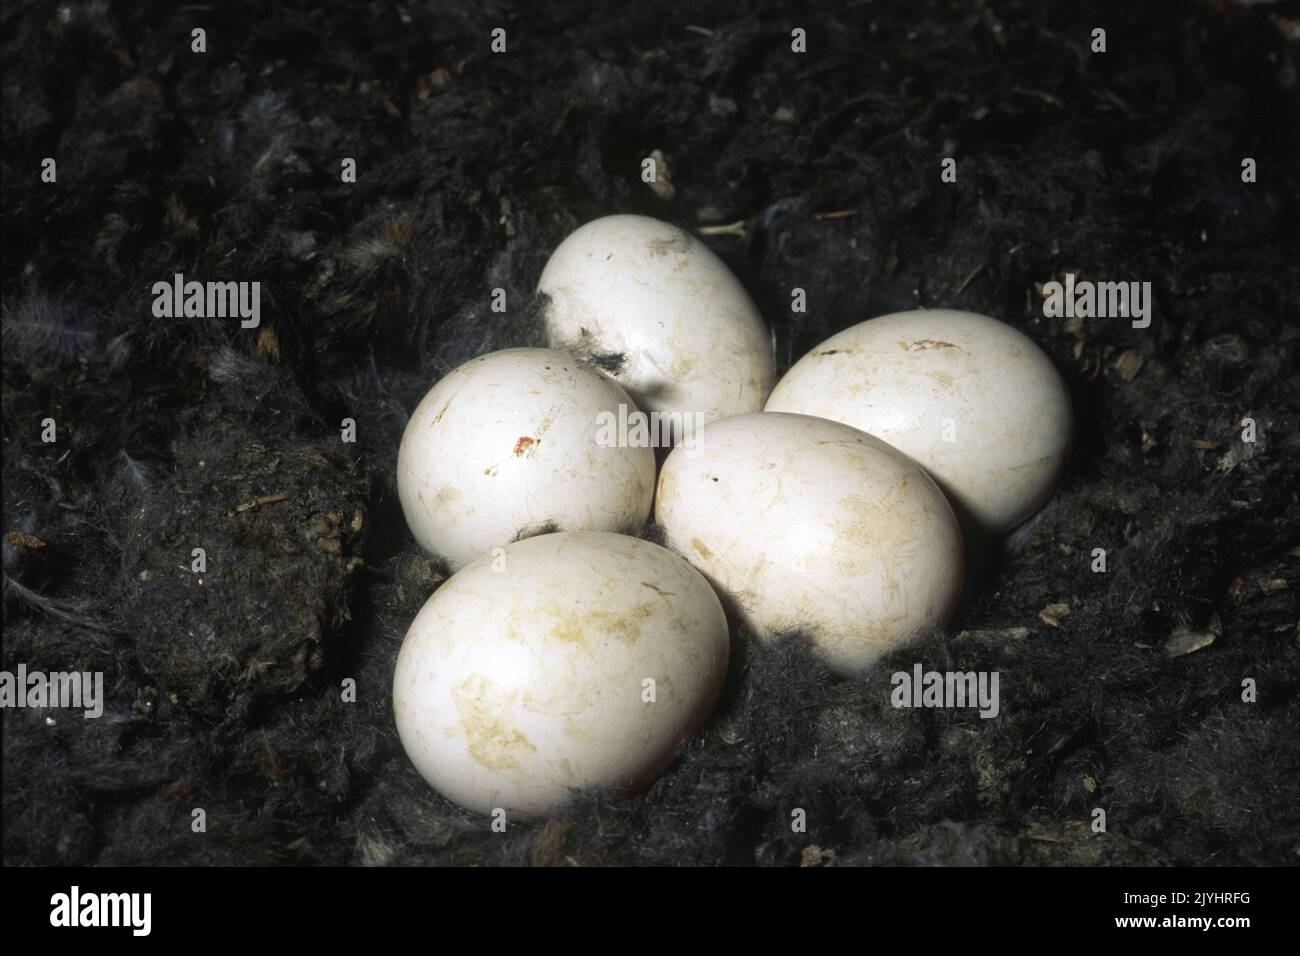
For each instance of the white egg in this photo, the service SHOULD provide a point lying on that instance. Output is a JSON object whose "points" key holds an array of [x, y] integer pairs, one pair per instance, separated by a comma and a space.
{"points": [[572, 661], [662, 314], [805, 524], [507, 445], [972, 399]]}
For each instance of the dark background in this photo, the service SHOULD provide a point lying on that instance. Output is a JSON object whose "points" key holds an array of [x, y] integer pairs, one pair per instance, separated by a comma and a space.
{"points": [[224, 692]]}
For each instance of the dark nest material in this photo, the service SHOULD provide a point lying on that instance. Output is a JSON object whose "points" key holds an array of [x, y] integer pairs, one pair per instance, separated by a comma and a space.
{"points": [[1120, 690]]}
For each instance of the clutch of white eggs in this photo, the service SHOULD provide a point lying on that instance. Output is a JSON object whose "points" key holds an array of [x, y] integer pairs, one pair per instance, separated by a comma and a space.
{"points": [[567, 654]]}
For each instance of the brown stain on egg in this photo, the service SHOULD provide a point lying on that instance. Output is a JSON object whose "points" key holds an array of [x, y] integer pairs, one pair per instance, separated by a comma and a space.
{"points": [[547, 422], [920, 345], [860, 524], [867, 528], [524, 444], [575, 731], [684, 363], [701, 547], [443, 411], [491, 740], [667, 487], [576, 626], [662, 247]]}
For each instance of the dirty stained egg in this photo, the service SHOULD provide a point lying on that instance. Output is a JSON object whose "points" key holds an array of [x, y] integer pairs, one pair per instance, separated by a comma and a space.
{"points": [[971, 399], [572, 660], [504, 447], [805, 524], [658, 311]]}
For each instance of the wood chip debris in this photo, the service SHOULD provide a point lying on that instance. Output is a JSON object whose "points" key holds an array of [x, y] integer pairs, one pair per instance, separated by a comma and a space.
{"points": [[1268, 585], [815, 856], [1186, 640], [22, 539], [662, 184], [257, 503], [995, 634], [971, 276], [1052, 614], [736, 228], [1237, 590], [1128, 364]]}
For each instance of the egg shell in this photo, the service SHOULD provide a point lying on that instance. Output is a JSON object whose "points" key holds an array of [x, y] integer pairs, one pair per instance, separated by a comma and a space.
{"points": [[654, 307], [972, 399], [805, 524], [506, 446], [523, 677]]}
